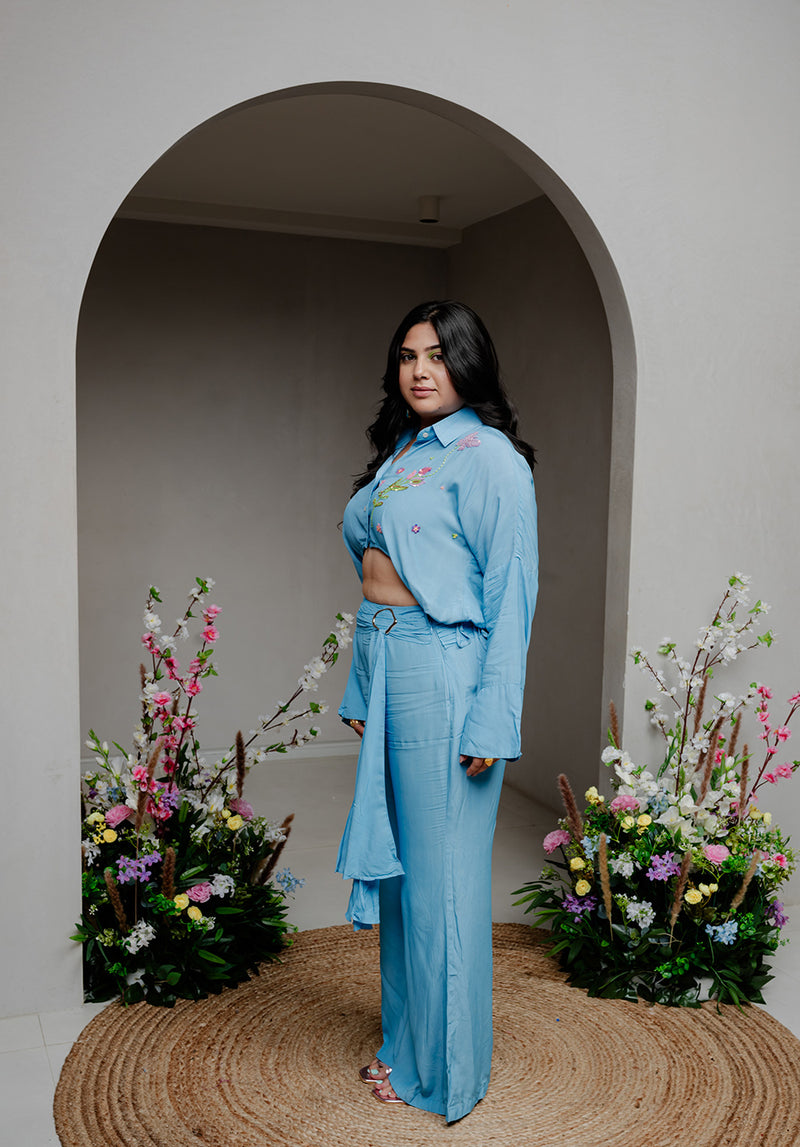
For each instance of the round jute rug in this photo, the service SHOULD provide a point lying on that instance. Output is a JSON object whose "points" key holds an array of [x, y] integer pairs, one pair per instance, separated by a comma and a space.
{"points": [[274, 1062]]}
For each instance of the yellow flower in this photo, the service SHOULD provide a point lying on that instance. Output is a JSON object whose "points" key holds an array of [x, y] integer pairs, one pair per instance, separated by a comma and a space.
{"points": [[577, 863], [109, 836], [181, 901], [226, 812], [756, 813], [95, 818], [704, 888], [234, 822], [693, 896], [644, 820], [194, 913], [628, 822], [713, 887], [767, 818], [593, 796], [582, 887]]}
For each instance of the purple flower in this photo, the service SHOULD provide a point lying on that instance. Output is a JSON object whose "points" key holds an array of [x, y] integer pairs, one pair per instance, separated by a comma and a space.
{"points": [[577, 905], [130, 869], [662, 867], [775, 913]]}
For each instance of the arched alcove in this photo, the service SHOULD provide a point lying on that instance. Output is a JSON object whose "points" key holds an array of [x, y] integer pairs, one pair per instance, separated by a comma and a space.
{"points": [[229, 360]]}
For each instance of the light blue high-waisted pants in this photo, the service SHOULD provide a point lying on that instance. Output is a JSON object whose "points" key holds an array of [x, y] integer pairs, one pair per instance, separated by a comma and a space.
{"points": [[418, 844]]}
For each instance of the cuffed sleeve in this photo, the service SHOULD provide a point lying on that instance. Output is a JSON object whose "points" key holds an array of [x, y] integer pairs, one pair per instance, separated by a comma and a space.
{"points": [[499, 521]]}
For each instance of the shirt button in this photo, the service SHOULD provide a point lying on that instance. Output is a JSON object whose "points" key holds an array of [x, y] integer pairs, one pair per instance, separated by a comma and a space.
{"points": [[424, 434]]}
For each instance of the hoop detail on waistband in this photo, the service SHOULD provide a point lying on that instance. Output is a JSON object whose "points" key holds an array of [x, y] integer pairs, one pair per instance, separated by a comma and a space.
{"points": [[384, 609]]}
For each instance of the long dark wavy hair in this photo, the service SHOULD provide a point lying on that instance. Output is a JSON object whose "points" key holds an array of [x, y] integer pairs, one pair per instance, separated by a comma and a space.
{"points": [[471, 362]]}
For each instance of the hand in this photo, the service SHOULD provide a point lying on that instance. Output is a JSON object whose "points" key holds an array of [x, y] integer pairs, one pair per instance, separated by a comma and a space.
{"points": [[358, 727], [477, 765]]}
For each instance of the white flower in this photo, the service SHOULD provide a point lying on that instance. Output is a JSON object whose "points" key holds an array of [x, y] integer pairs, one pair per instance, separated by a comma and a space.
{"points": [[622, 865], [139, 936], [640, 912], [609, 754], [222, 885], [152, 621], [91, 851]]}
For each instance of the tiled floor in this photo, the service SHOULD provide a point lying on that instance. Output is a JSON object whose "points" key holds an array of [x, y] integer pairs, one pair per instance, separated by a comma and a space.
{"points": [[33, 1047]]}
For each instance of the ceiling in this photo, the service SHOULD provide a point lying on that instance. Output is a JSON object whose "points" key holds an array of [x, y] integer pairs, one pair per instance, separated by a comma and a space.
{"points": [[335, 164]]}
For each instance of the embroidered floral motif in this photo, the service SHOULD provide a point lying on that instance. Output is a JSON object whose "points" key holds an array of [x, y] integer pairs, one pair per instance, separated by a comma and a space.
{"points": [[415, 528], [470, 440], [378, 528]]}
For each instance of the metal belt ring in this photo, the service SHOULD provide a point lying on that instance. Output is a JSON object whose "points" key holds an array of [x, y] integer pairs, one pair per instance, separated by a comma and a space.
{"points": [[383, 610]]}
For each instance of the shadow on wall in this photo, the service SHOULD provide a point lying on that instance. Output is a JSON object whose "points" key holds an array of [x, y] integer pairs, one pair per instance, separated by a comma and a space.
{"points": [[225, 379]]}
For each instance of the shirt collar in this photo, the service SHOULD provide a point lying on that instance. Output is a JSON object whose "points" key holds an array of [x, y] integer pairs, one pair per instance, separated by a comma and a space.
{"points": [[456, 425]]}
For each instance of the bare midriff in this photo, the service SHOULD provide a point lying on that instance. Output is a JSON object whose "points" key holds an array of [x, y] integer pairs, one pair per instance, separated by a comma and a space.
{"points": [[381, 582]]}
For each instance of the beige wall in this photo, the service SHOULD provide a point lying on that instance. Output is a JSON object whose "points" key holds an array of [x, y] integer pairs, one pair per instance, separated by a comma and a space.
{"points": [[225, 381]]}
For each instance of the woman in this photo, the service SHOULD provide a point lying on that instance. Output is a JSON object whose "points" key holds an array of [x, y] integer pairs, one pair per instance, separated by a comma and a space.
{"points": [[442, 531]]}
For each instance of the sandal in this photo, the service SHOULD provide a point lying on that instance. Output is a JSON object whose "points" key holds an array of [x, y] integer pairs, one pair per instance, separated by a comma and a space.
{"points": [[371, 1077], [383, 1095]]}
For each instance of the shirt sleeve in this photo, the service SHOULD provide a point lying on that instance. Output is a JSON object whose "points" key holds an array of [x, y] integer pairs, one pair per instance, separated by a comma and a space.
{"points": [[498, 516]]}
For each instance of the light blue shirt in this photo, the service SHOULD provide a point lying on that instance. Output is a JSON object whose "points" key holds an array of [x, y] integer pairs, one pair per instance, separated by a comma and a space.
{"points": [[457, 517]]}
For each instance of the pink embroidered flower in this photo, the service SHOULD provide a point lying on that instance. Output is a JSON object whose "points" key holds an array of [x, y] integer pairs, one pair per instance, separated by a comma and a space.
{"points": [[470, 440], [243, 807], [783, 733], [210, 633], [415, 528], [425, 470], [555, 839], [199, 892], [624, 803], [716, 853], [162, 700], [117, 815]]}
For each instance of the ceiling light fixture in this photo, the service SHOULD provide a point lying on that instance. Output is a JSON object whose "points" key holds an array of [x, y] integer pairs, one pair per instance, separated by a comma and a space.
{"points": [[428, 208]]}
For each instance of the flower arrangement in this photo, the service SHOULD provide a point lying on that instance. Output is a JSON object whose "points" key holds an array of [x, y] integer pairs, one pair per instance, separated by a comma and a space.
{"points": [[181, 896], [668, 890]]}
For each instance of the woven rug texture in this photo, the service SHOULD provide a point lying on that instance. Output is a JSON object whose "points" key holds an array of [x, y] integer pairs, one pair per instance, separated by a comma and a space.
{"points": [[274, 1062]]}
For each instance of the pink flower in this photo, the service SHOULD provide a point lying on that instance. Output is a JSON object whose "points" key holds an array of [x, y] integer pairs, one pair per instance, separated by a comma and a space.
{"points": [[770, 778], [193, 688], [210, 633], [162, 699], [556, 839], [243, 807], [211, 611], [624, 804], [470, 440], [772, 749], [182, 723], [196, 665], [764, 691], [795, 700], [199, 892], [117, 815], [763, 715], [716, 853], [783, 733], [784, 770]]}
